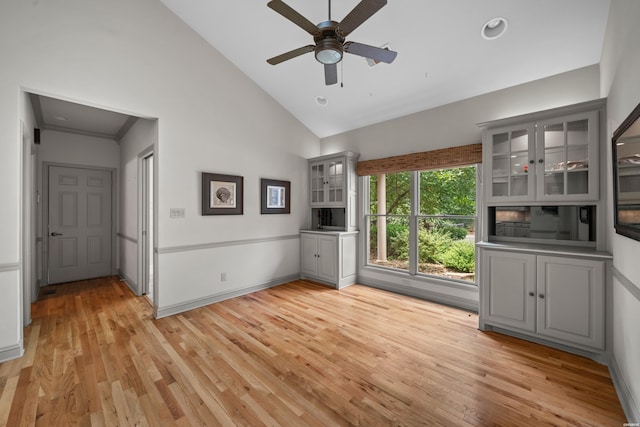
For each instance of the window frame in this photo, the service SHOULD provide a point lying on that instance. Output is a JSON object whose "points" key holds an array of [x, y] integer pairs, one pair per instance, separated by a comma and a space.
{"points": [[414, 218]]}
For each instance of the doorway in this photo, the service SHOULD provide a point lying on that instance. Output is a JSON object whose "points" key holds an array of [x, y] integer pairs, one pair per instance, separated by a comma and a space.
{"points": [[147, 235], [78, 223]]}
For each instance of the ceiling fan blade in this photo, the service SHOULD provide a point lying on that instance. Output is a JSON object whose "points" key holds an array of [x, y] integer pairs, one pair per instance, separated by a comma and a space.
{"points": [[283, 9], [291, 54], [330, 74], [363, 11], [376, 53]]}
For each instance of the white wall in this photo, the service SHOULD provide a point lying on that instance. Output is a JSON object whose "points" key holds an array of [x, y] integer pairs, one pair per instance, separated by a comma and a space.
{"points": [[74, 149], [137, 57], [456, 124], [142, 136], [620, 74]]}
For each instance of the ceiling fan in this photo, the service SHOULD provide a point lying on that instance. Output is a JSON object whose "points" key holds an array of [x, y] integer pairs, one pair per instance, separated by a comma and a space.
{"points": [[329, 37]]}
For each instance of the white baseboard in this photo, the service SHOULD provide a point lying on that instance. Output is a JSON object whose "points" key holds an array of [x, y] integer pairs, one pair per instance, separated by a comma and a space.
{"points": [[629, 406], [10, 353], [211, 299], [463, 303], [129, 282]]}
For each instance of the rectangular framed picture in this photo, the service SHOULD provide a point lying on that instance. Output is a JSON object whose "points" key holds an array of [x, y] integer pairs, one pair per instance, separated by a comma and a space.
{"points": [[275, 196], [222, 194]]}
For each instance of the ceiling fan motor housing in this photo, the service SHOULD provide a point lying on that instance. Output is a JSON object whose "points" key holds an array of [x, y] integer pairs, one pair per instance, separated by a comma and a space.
{"points": [[329, 44]]}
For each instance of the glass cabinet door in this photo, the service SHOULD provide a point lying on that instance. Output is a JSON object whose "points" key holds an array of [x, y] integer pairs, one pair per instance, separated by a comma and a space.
{"points": [[327, 182], [317, 183], [335, 181], [568, 154], [510, 164]]}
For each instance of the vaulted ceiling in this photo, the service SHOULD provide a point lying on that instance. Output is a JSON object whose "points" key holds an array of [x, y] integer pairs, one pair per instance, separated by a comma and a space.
{"points": [[442, 56]]}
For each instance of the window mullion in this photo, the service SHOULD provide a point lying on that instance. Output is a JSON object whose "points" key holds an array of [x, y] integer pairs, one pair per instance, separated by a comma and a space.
{"points": [[413, 223]]}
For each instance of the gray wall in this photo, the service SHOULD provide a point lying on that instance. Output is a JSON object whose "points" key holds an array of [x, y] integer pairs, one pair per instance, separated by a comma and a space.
{"points": [[620, 71]]}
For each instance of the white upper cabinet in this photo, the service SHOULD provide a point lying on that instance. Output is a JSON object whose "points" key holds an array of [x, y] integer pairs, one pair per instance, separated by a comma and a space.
{"points": [[547, 160], [568, 160], [510, 163], [327, 182], [332, 179]]}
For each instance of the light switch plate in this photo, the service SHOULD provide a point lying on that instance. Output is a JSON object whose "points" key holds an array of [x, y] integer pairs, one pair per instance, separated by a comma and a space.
{"points": [[175, 213]]}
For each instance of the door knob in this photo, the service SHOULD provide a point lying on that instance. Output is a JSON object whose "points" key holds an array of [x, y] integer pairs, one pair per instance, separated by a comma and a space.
{"points": [[54, 234]]}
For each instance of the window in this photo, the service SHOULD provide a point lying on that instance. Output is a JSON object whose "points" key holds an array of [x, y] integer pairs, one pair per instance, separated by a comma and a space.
{"points": [[424, 222]]}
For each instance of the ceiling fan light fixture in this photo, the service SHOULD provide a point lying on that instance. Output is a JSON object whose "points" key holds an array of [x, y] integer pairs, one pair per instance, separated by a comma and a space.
{"points": [[494, 28], [328, 51]]}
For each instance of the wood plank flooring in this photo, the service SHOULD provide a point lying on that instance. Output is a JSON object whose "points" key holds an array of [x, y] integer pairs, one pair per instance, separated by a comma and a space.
{"points": [[299, 354]]}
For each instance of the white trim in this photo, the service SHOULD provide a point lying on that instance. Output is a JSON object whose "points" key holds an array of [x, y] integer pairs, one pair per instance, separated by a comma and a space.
{"points": [[211, 299], [628, 284], [187, 248], [144, 157], [10, 353], [629, 406], [541, 115], [130, 283], [10, 267], [453, 301]]}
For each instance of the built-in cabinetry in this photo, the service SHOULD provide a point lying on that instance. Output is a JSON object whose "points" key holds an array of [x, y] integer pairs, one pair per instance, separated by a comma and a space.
{"points": [[329, 247], [542, 271], [547, 160], [553, 296], [333, 190], [329, 256]]}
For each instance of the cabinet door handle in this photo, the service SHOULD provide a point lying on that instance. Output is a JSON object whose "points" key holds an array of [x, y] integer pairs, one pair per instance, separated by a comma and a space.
{"points": [[541, 296], [532, 161], [540, 160], [531, 294]]}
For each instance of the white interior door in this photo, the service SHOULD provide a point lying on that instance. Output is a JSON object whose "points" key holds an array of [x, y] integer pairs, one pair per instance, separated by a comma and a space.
{"points": [[79, 224]]}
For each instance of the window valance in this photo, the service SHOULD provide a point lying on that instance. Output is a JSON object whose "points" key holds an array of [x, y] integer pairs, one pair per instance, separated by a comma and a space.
{"points": [[436, 159]]}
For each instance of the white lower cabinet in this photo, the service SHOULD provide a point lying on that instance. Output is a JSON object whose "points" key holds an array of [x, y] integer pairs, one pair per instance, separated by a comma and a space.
{"points": [[557, 298], [329, 257]]}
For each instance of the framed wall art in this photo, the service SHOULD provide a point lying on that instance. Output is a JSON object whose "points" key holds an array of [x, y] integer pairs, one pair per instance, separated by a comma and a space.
{"points": [[275, 196], [222, 194], [626, 176]]}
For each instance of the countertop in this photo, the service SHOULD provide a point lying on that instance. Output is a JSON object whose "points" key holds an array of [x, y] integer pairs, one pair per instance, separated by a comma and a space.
{"points": [[334, 232], [542, 249]]}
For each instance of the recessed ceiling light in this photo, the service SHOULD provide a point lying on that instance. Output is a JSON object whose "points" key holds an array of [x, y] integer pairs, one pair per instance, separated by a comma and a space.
{"points": [[494, 28], [61, 118], [321, 101]]}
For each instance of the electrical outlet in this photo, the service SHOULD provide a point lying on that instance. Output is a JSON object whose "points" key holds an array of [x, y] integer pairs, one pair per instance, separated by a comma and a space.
{"points": [[223, 277]]}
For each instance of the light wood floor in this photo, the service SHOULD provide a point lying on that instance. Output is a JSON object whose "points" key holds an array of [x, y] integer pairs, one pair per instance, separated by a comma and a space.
{"points": [[295, 355]]}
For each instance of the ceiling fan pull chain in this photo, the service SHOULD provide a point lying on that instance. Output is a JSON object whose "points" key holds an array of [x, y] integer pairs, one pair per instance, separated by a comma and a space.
{"points": [[341, 72]]}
